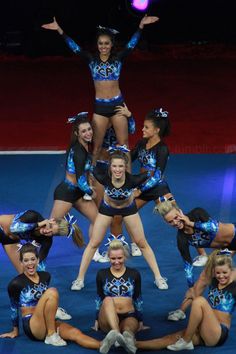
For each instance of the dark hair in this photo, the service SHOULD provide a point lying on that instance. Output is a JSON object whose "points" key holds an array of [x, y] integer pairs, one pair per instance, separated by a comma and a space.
{"points": [[105, 32], [28, 247], [75, 128], [118, 155], [198, 214], [160, 120]]}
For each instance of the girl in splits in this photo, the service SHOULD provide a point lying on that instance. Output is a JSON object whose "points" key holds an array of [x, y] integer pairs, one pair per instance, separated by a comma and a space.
{"points": [[118, 200], [210, 319], [71, 191], [105, 69], [30, 294]]}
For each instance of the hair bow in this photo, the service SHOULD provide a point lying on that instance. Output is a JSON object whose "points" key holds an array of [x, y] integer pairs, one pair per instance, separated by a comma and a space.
{"points": [[77, 116], [160, 113], [120, 238], [71, 219], [24, 242], [122, 148], [112, 30], [225, 252]]}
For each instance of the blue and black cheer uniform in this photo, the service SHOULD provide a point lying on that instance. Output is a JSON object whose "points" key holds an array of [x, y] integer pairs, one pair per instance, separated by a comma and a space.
{"points": [[128, 285], [222, 300], [204, 232], [153, 160], [184, 242], [78, 162], [105, 71], [120, 194], [25, 293], [23, 228]]}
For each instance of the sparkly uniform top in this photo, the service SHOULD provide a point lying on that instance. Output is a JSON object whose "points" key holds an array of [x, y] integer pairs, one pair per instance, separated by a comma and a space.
{"points": [[128, 285], [78, 162], [104, 70], [25, 293], [222, 299]]}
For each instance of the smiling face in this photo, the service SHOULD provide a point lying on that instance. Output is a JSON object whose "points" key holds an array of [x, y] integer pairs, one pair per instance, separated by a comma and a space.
{"points": [[149, 130], [85, 132], [222, 274], [117, 259], [29, 263], [173, 218], [104, 44], [118, 168]]}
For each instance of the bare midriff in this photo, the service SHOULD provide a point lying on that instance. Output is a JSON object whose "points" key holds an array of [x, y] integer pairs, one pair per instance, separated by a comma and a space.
{"points": [[119, 204], [106, 89], [224, 236], [123, 304], [27, 310]]}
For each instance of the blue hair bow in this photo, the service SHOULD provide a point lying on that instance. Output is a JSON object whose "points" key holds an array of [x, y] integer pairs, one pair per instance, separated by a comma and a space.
{"points": [[71, 219], [160, 113], [77, 116], [112, 30], [120, 238], [122, 148], [225, 252]]}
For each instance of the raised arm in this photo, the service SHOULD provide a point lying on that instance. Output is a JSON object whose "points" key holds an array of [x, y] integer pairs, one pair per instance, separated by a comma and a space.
{"points": [[54, 26], [136, 36]]}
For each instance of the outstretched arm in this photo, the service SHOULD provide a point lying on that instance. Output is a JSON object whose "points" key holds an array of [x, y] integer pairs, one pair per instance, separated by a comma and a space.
{"points": [[69, 41], [53, 26]]}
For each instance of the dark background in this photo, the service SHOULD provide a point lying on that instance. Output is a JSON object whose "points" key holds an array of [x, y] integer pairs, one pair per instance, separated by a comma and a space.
{"points": [[180, 21]]}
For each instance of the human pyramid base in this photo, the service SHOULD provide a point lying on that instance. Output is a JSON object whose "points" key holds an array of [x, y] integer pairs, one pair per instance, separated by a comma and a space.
{"points": [[99, 183]]}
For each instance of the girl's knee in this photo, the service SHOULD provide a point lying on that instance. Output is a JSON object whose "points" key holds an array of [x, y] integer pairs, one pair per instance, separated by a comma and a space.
{"points": [[52, 292], [199, 301], [107, 301], [93, 244], [142, 244]]}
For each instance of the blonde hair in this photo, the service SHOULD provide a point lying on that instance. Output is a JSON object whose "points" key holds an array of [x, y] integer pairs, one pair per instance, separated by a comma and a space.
{"points": [[117, 245], [63, 230], [217, 259], [165, 207]]}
